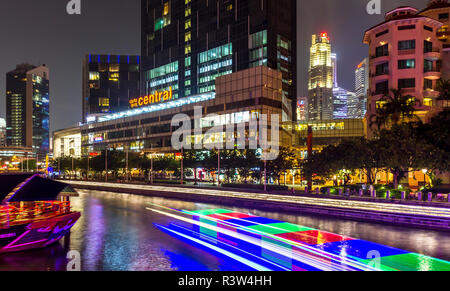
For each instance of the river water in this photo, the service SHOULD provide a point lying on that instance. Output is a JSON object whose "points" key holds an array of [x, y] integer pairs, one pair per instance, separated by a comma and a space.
{"points": [[117, 233]]}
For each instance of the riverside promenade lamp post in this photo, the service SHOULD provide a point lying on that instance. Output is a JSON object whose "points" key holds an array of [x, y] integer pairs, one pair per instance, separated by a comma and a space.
{"points": [[218, 167], [424, 171], [182, 168], [106, 164]]}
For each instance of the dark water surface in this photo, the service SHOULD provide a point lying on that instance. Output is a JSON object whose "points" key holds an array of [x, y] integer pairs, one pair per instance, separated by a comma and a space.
{"points": [[116, 232]]}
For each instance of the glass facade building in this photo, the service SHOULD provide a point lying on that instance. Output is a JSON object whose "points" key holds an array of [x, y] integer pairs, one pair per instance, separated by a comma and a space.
{"points": [[239, 98], [361, 89], [109, 82], [187, 44], [27, 108], [2, 132]]}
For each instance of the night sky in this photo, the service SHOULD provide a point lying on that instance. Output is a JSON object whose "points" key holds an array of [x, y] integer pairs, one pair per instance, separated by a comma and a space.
{"points": [[41, 32]]}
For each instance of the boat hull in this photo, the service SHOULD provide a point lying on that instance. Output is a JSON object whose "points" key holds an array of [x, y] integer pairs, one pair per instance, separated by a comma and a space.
{"points": [[37, 234]]}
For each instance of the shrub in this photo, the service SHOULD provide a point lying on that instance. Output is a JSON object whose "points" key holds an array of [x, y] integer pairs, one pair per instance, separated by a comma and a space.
{"points": [[257, 187]]}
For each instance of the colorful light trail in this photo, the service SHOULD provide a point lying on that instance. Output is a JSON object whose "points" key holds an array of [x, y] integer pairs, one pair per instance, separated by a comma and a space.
{"points": [[263, 243], [324, 202]]}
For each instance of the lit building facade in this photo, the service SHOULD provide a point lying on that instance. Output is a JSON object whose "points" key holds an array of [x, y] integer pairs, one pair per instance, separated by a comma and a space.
{"points": [[334, 65], [325, 133], [109, 82], [302, 108], [340, 102], [67, 143], [320, 83], [406, 54], [186, 45], [440, 10], [239, 98], [2, 132], [358, 107], [27, 108]]}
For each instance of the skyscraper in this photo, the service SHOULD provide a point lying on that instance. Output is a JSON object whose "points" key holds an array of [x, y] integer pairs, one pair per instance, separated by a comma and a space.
{"points": [[109, 82], [320, 85], [361, 89], [27, 108], [335, 75], [2, 132], [187, 44], [340, 97]]}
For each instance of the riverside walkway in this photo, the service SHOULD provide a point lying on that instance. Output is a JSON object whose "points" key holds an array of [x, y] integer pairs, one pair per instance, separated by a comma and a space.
{"points": [[410, 215]]}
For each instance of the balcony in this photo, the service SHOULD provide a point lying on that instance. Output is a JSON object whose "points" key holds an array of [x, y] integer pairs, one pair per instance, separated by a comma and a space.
{"points": [[406, 52], [380, 58], [408, 90], [428, 93], [433, 54], [433, 73], [379, 76]]}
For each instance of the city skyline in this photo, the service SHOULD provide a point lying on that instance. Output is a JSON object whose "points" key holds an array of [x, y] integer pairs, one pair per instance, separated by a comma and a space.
{"points": [[225, 135], [120, 34]]}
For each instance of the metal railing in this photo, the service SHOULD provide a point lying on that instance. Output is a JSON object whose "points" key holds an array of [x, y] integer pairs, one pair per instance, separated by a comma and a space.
{"points": [[17, 213]]}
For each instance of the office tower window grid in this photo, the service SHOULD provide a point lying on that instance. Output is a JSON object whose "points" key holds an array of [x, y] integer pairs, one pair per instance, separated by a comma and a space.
{"points": [[252, 32]]}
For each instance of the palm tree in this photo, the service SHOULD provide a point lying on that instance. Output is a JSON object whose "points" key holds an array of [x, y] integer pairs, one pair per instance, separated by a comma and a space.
{"points": [[396, 108], [443, 86]]}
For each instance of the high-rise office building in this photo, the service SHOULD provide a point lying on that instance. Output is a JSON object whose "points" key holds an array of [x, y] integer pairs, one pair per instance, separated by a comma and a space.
{"points": [[320, 85], [354, 106], [27, 108], [335, 74], [344, 103], [361, 89], [2, 132], [187, 44], [109, 82]]}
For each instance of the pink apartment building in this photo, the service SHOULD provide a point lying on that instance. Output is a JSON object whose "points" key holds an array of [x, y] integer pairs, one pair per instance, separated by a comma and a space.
{"points": [[408, 51]]}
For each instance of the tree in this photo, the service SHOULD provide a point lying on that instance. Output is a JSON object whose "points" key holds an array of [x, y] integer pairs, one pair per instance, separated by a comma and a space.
{"points": [[248, 162], [286, 160], [394, 108], [443, 86], [193, 159]]}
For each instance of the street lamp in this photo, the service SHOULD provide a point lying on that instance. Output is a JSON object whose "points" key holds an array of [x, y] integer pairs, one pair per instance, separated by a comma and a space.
{"points": [[424, 171], [218, 167], [106, 163], [265, 175], [182, 168], [126, 163]]}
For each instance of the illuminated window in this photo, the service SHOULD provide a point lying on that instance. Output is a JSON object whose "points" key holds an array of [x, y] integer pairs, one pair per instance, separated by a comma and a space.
{"points": [[428, 102], [188, 12], [187, 37], [103, 102], [187, 62], [380, 104], [166, 8], [187, 49], [187, 24], [114, 77], [230, 7], [187, 2], [114, 67], [94, 76]]}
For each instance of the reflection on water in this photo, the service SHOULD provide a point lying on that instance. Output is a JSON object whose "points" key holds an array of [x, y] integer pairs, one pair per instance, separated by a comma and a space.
{"points": [[115, 232]]}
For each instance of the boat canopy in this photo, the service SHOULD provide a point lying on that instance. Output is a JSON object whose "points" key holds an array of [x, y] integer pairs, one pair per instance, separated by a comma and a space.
{"points": [[29, 188]]}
